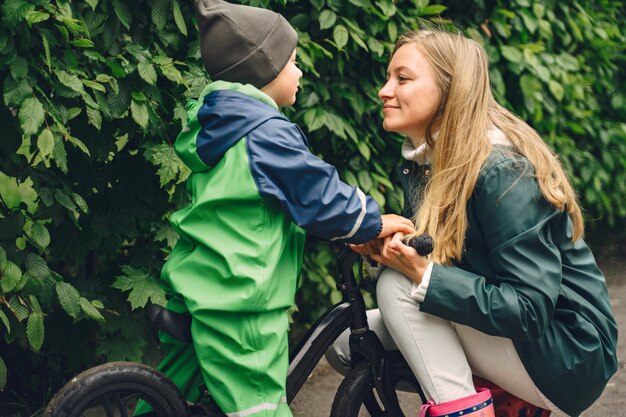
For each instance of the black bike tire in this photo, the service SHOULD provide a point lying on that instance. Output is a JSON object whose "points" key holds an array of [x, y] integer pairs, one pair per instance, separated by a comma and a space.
{"points": [[357, 389], [113, 377]]}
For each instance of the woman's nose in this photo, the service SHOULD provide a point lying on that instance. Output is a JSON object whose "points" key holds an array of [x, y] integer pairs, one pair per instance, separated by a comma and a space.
{"points": [[385, 91]]}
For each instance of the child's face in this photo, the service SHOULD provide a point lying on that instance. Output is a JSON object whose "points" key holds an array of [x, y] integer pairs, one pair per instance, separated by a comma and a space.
{"points": [[284, 87], [410, 95]]}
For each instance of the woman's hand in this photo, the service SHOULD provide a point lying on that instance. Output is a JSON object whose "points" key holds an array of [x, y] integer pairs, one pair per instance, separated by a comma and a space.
{"points": [[392, 252]]}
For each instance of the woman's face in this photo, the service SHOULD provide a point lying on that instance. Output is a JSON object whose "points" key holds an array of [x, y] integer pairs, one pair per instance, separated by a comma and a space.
{"points": [[410, 95]]}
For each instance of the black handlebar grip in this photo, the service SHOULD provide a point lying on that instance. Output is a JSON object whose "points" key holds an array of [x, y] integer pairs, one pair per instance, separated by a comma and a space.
{"points": [[423, 244]]}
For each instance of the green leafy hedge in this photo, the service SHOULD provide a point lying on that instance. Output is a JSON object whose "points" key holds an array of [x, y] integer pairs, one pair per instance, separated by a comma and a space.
{"points": [[93, 96]]}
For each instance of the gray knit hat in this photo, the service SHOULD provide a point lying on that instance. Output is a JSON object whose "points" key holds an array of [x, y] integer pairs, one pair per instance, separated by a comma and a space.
{"points": [[243, 44]]}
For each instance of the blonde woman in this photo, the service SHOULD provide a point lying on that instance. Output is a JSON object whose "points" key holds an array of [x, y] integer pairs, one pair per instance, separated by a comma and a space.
{"points": [[511, 292]]}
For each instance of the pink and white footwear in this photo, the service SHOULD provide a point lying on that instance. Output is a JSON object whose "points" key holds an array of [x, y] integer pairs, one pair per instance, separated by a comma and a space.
{"points": [[475, 405]]}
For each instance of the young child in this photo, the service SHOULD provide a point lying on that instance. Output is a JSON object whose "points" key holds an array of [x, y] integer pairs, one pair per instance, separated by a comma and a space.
{"points": [[255, 186]]}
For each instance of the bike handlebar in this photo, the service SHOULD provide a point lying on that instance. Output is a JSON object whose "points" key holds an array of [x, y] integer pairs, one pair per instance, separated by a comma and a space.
{"points": [[423, 244]]}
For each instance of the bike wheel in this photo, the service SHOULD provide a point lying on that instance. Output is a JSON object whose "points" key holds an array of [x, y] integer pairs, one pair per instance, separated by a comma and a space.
{"points": [[357, 392], [113, 390]]}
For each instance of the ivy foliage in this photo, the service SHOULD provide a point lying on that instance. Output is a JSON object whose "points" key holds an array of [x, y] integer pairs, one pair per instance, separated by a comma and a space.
{"points": [[94, 93]]}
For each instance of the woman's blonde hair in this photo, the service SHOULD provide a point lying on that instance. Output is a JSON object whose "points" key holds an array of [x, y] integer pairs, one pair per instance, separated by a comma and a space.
{"points": [[466, 110]]}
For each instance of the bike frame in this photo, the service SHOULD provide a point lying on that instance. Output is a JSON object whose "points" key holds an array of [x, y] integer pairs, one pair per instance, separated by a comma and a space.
{"points": [[364, 343]]}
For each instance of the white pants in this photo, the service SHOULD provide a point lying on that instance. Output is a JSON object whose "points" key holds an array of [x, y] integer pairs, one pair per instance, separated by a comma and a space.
{"points": [[443, 355]]}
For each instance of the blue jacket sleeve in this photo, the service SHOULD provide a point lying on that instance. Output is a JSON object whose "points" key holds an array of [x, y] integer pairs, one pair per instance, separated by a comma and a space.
{"points": [[516, 222], [309, 189]]}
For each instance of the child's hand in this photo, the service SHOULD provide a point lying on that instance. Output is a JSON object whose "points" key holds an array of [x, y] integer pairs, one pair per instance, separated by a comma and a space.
{"points": [[392, 223]]}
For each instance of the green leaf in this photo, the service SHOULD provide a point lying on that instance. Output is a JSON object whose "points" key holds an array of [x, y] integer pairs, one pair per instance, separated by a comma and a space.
{"points": [[92, 3], [568, 62], [119, 102], [60, 154], [37, 267], [80, 202], [74, 25], [389, 9], [34, 303], [168, 234], [170, 167], [69, 298], [71, 81], [90, 310], [365, 181], [17, 306], [20, 244], [11, 274], [162, 59], [350, 178], [178, 18], [392, 30], [327, 19], [5, 321], [45, 142], [94, 85], [529, 84], [530, 22], [31, 116], [24, 280], [139, 96], [376, 46], [35, 16], [170, 72], [78, 143], [19, 68], [103, 78], [89, 101], [94, 117], [147, 73], [15, 92], [512, 54], [35, 331], [123, 13], [378, 196], [40, 235], [139, 112], [83, 43], [159, 13], [364, 150], [358, 40], [142, 287], [46, 47], [13, 11], [556, 89], [340, 35], [383, 181], [433, 9], [3, 374], [64, 199], [110, 32], [314, 119]]}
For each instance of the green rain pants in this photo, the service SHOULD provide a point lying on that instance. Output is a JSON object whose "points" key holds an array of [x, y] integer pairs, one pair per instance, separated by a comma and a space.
{"points": [[241, 357]]}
